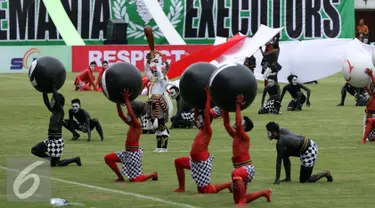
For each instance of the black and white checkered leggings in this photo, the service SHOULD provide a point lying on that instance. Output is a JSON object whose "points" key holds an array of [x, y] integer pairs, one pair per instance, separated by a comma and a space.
{"points": [[309, 157]]}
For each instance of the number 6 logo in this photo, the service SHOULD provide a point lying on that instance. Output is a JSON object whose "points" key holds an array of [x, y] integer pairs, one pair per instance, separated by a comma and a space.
{"points": [[23, 177]]}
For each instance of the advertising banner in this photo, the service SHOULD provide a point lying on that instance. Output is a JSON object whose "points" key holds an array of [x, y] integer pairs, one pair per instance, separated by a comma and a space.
{"points": [[18, 59], [364, 4], [83, 55], [197, 21]]}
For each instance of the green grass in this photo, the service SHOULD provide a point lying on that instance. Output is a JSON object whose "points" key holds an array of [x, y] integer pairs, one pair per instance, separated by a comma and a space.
{"points": [[337, 131]]}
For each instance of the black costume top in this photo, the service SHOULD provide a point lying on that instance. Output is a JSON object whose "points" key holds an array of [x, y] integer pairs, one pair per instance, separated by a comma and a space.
{"points": [[289, 144], [273, 92], [182, 106], [293, 89], [81, 116], [57, 118]]}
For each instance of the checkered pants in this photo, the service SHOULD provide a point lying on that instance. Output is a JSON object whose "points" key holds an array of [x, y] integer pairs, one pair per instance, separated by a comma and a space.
{"points": [[217, 112], [371, 136], [201, 171], [55, 147], [250, 169], [269, 107], [308, 158], [131, 163], [187, 116]]}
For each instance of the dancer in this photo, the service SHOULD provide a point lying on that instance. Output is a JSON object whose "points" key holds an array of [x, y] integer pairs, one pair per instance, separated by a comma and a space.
{"points": [[294, 89], [101, 72], [83, 121], [85, 80], [293, 145], [360, 95], [270, 66], [273, 103], [200, 161], [244, 170], [131, 157], [158, 103], [369, 118], [52, 147], [184, 117]]}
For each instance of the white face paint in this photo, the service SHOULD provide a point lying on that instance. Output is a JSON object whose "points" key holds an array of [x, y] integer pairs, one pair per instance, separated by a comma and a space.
{"points": [[270, 82], [173, 93], [269, 135], [294, 81], [75, 107]]}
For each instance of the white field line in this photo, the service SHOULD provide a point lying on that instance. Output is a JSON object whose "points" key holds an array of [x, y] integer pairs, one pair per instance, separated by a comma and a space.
{"points": [[230, 150], [110, 190]]}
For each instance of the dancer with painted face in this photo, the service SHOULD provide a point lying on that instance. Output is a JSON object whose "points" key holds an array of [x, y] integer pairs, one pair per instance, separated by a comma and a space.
{"points": [[200, 161], [369, 118], [184, 117], [52, 148], [159, 103], [298, 98], [101, 72], [293, 145], [360, 95], [273, 103], [83, 121], [131, 157], [85, 80], [244, 171]]}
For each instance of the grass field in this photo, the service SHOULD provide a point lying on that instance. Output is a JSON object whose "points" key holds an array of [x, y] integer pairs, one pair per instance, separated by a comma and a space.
{"points": [[337, 131]]}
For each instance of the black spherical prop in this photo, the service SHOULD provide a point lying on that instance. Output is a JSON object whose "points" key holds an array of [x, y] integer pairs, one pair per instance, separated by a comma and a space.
{"points": [[193, 81], [231, 80], [118, 77], [45, 72]]}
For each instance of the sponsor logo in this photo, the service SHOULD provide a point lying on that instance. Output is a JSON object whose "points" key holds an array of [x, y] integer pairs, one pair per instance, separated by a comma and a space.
{"points": [[24, 62]]}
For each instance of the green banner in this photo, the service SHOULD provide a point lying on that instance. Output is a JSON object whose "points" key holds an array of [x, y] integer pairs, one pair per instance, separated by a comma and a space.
{"points": [[197, 21]]}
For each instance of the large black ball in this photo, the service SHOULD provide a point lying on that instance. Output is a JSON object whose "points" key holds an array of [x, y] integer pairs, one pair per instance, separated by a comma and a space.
{"points": [[118, 77], [46, 70], [193, 81], [231, 80]]}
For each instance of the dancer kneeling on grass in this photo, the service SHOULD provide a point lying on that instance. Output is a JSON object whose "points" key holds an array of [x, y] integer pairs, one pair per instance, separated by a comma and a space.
{"points": [[131, 157], [52, 147], [244, 170], [200, 161], [292, 145]]}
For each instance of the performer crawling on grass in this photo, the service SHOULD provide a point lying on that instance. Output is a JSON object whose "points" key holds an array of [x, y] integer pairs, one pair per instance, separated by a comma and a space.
{"points": [[360, 95], [294, 89], [293, 145], [131, 157], [83, 121], [85, 80], [200, 161], [369, 118], [52, 148], [273, 103], [244, 170]]}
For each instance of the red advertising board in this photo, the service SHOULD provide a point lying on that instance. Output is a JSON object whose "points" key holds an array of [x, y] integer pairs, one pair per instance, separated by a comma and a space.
{"points": [[83, 55]]}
